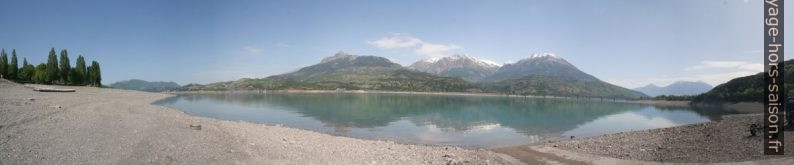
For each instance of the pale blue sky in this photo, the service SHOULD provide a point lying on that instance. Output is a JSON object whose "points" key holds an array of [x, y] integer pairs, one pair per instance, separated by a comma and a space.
{"points": [[629, 43]]}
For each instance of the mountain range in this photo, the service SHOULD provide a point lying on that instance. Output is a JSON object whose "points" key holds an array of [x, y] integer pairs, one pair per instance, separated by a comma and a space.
{"points": [[678, 88], [141, 85], [539, 74], [465, 66], [350, 72]]}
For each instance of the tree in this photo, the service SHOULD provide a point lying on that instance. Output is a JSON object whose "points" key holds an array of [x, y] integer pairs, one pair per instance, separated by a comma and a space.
{"points": [[3, 64], [12, 68], [95, 73], [40, 74], [64, 68], [80, 75], [26, 72], [52, 67]]}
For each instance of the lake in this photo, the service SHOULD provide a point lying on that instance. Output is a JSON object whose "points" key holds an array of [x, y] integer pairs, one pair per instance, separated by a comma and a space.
{"points": [[466, 121]]}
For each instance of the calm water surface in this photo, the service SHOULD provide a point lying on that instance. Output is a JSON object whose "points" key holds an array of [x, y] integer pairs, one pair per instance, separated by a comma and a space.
{"points": [[466, 121]]}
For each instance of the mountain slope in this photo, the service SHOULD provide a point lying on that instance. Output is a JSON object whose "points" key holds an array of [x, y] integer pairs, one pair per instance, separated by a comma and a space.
{"points": [[678, 88], [141, 85], [745, 89], [469, 68], [539, 64], [352, 72], [547, 74]]}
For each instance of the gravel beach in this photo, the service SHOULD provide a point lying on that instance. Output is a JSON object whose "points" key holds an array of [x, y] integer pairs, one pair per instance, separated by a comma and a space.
{"points": [[110, 126], [724, 141]]}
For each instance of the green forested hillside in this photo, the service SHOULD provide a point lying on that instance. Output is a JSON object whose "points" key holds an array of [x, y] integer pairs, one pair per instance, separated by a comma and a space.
{"points": [[141, 85], [745, 89], [562, 86]]}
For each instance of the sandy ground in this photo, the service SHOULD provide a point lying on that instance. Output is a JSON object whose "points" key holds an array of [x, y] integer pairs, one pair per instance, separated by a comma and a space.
{"points": [[109, 126]]}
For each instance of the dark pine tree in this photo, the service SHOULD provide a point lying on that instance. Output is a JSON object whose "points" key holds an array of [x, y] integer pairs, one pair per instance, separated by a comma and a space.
{"points": [[3, 64], [52, 68], [80, 71], [13, 71], [64, 68], [96, 74]]}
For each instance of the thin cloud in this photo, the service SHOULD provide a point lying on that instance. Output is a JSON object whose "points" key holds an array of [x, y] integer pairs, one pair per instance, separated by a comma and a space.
{"points": [[396, 41], [251, 49], [743, 65], [436, 50], [283, 45], [402, 41]]}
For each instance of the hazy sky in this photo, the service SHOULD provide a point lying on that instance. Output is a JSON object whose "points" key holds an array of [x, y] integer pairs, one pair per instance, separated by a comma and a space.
{"points": [[629, 43]]}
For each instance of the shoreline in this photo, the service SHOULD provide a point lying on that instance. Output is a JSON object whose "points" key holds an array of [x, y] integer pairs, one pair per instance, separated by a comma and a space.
{"points": [[723, 141]]}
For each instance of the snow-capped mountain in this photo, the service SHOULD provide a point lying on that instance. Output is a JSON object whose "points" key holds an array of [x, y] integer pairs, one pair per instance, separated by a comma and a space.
{"points": [[547, 64], [548, 74], [465, 66]]}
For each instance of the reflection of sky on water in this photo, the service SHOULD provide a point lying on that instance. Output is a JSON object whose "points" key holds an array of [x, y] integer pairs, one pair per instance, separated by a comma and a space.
{"points": [[645, 118], [445, 120]]}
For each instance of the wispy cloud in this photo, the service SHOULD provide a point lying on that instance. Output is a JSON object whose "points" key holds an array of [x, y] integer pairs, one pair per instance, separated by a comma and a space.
{"points": [[403, 41], [283, 45], [743, 65], [396, 41], [250, 49], [436, 50]]}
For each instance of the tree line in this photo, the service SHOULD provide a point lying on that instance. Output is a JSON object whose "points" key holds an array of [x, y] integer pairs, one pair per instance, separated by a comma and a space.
{"points": [[52, 72]]}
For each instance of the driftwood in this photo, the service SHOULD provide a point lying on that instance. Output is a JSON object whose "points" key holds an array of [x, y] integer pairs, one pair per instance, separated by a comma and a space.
{"points": [[53, 90]]}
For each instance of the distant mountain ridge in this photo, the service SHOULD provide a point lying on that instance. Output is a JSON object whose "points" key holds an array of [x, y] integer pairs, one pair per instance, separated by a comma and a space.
{"points": [[465, 66], [678, 88], [141, 85], [350, 72], [539, 74]]}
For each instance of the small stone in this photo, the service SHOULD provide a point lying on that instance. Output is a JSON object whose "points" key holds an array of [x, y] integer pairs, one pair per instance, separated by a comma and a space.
{"points": [[449, 155]]}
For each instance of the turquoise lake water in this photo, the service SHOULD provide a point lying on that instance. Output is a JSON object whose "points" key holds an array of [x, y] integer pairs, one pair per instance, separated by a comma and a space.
{"points": [[466, 121]]}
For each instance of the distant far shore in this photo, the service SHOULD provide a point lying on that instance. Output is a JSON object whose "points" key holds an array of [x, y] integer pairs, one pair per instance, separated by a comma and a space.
{"points": [[395, 92], [741, 107]]}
